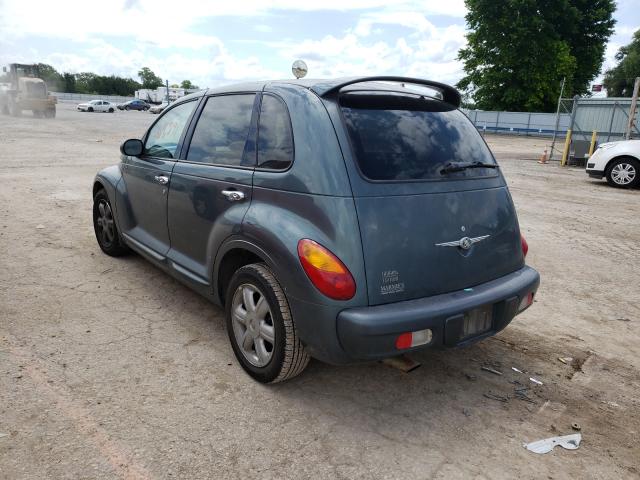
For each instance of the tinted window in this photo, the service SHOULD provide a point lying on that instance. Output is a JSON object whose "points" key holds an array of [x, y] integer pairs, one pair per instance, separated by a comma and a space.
{"points": [[275, 141], [221, 133], [403, 137], [164, 136]]}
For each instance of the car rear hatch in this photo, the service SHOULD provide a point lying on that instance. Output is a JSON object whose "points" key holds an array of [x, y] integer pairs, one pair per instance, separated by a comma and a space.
{"points": [[434, 212]]}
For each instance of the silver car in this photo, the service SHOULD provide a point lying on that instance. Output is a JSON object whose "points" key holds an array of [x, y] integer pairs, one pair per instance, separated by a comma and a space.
{"points": [[97, 106]]}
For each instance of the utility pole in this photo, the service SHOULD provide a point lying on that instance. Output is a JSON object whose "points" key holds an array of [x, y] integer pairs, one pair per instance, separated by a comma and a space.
{"points": [[555, 129], [633, 109]]}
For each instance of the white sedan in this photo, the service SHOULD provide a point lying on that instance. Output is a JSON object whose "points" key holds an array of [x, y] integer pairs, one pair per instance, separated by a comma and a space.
{"points": [[97, 106], [158, 108], [618, 161]]}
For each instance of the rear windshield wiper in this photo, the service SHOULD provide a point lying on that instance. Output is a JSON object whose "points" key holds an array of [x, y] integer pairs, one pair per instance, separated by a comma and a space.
{"points": [[460, 166]]}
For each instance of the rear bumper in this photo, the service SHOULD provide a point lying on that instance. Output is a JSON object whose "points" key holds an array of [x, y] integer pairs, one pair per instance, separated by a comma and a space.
{"points": [[369, 333]]}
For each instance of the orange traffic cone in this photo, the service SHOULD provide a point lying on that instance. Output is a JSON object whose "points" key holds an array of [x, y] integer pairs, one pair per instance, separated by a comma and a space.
{"points": [[544, 157]]}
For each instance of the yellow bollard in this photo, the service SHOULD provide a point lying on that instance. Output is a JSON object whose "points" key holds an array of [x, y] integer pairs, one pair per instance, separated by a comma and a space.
{"points": [[594, 135], [565, 153]]}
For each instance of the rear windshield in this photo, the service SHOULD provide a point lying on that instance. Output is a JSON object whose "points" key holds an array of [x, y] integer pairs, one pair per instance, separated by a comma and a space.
{"points": [[397, 137]]}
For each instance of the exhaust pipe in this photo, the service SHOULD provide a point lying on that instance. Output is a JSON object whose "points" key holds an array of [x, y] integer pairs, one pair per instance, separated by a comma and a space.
{"points": [[404, 363]]}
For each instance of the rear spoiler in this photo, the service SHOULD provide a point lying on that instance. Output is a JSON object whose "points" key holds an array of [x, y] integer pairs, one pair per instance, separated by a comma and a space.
{"points": [[449, 93]]}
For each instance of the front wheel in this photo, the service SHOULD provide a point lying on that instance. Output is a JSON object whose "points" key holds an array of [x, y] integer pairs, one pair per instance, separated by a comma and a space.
{"points": [[260, 326], [91, 109], [104, 226], [624, 173]]}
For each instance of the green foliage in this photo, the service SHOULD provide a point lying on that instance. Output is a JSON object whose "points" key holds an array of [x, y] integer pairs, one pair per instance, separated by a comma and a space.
{"points": [[86, 82], [105, 85], [519, 50], [50, 75], [69, 80], [149, 79], [186, 84], [619, 80]]}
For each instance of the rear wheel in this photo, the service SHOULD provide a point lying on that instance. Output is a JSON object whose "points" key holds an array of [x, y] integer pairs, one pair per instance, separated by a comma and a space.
{"points": [[260, 326], [110, 110], [624, 173], [105, 228], [14, 110]]}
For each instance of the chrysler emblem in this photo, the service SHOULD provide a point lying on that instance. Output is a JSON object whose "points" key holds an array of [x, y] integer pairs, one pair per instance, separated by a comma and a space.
{"points": [[464, 243]]}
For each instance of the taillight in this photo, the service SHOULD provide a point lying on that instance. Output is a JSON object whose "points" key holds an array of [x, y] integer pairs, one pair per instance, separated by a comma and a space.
{"points": [[525, 245], [327, 273]]}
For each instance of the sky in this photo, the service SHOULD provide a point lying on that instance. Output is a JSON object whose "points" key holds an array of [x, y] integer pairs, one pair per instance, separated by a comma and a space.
{"points": [[220, 42]]}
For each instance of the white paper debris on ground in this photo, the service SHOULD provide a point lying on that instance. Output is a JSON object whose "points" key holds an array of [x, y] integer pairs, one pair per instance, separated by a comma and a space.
{"points": [[570, 442], [538, 382]]}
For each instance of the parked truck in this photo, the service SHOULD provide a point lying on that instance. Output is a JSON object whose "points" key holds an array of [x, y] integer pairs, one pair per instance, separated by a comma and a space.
{"points": [[25, 90]]}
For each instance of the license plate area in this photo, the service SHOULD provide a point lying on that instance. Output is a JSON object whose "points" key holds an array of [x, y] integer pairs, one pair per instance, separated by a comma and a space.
{"points": [[477, 321]]}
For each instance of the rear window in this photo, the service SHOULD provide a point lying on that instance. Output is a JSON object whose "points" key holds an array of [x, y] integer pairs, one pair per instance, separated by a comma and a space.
{"points": [[398, 137]]}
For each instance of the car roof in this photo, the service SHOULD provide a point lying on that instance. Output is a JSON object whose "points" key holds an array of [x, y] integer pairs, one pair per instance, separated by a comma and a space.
{"points": [[322, 87]]}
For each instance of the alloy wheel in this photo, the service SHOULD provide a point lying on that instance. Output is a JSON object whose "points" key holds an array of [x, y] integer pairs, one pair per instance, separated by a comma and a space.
{"points": [[106, 225], [623, 173], [253, 325]]}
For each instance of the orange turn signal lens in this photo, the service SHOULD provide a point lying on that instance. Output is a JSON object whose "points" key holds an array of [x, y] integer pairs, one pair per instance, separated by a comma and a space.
{"points": [[327, 273]]}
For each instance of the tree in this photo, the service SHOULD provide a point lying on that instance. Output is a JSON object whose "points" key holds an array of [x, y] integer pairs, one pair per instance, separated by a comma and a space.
{"points": [[519, 50], [51, 76], [186, 84], [620, 79], [69, 82], [175, 85], [149, 79]]}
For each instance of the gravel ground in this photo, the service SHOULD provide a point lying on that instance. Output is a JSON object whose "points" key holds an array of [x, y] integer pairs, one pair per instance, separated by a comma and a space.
{"points": [[111, 369]]}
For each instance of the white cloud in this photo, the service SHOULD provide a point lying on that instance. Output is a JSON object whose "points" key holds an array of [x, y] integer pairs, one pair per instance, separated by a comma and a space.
{"points": [[144, 29]]}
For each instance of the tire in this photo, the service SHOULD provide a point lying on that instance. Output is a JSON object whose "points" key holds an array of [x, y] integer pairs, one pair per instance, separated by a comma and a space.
{"points": [[90, 109], [623, 173], [14, 110], [108, 238], [272, 328], [126, 108], [111, 110]]}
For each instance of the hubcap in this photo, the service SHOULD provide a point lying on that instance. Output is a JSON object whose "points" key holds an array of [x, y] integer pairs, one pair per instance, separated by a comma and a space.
{"points": [[106, 226], [253, 325], [623, 173]]}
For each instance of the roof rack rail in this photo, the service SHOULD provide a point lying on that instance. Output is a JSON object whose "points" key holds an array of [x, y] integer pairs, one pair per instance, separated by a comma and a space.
{"points": [[449, 93]]}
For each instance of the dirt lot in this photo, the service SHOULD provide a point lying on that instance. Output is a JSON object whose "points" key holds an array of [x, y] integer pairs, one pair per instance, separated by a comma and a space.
{"points": [[110, 369]]}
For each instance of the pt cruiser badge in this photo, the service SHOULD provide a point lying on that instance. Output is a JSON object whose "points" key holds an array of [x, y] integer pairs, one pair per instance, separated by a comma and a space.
{"points": [[464, 243]]}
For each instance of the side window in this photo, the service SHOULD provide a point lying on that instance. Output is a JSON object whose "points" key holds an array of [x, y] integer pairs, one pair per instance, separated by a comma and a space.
{"points": [[164, 136], [221, 134], [275, 140]]}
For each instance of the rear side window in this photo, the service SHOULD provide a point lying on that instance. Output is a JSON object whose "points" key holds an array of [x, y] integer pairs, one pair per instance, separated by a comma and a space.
{"points": [[222, 130], [165, 134], [275, 140], [398, 137]]}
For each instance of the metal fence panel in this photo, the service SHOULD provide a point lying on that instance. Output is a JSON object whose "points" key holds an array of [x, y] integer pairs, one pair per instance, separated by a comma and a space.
{"points": [[518, 123], [83, 97], [607, 116]]}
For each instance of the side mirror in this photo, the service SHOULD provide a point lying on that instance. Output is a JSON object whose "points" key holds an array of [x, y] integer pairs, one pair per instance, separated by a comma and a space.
{"points": [[132, 147]]}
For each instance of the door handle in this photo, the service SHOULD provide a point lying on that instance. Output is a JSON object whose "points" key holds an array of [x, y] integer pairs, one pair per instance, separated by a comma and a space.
{"points": [[161, 179], [233, 195]]}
